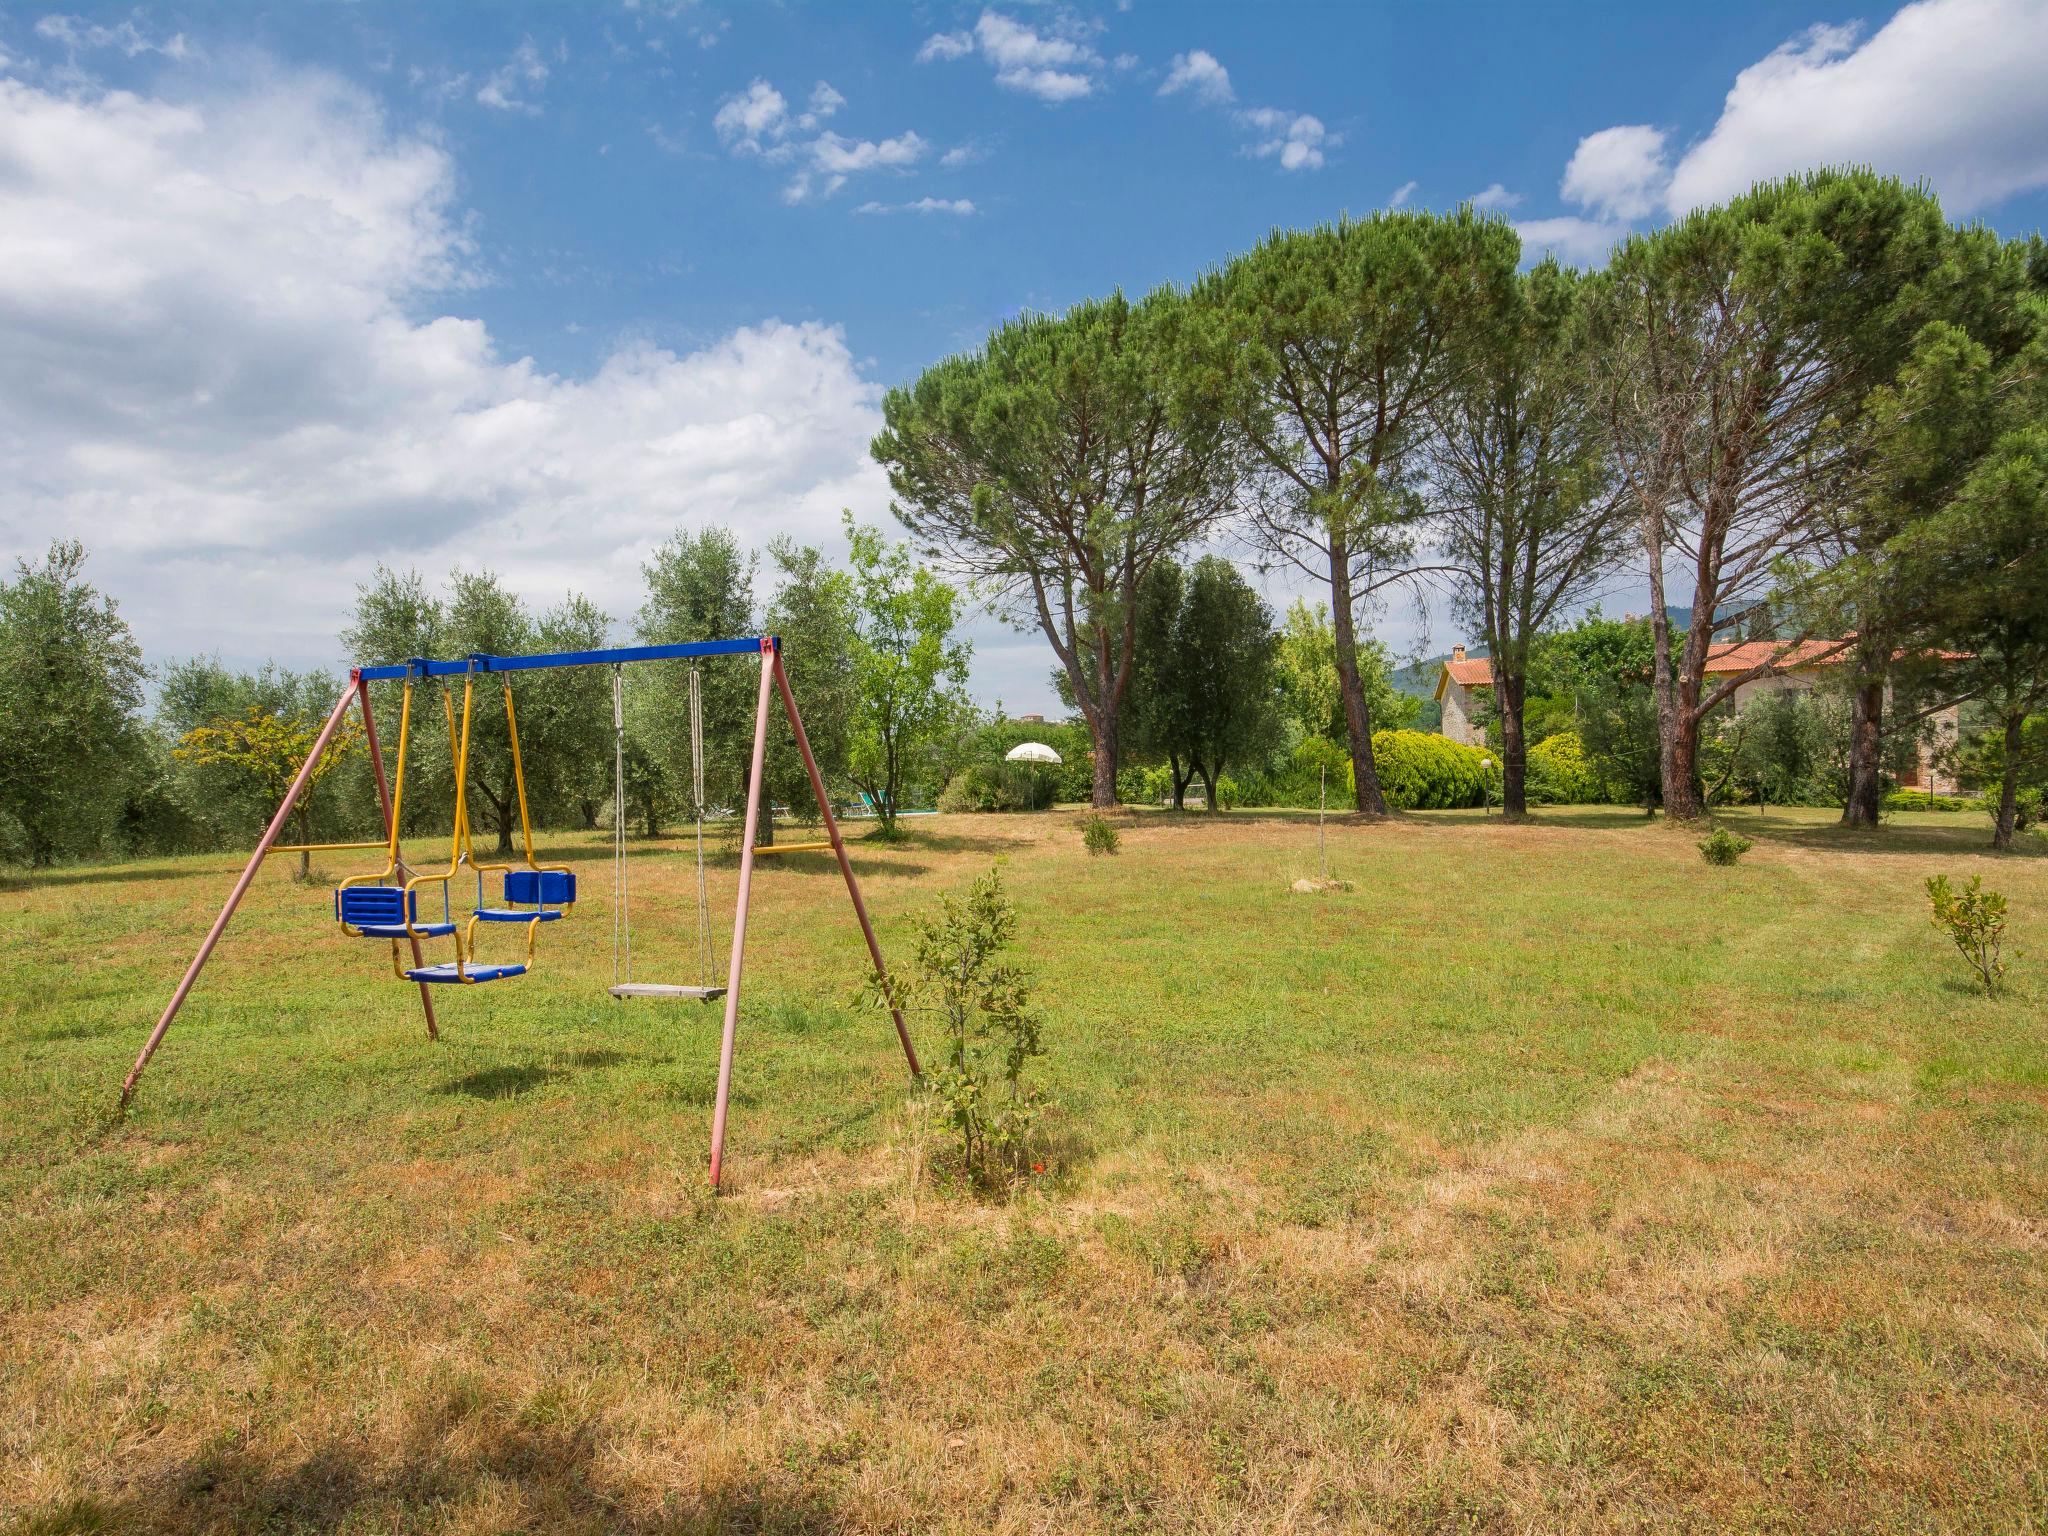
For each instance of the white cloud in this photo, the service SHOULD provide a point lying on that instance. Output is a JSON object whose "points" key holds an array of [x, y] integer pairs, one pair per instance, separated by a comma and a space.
{"points": [[1199, 72], [1947, 90], [833, 159], [941, 47], [339, 412], [1496, 196], [79, 36], [962, 154], [824, 102], [954, 205], [1055, 65], [1295, 138], [1619, 173], [525, 68], [750, 117], [757, 121], [1401, 195], [838, 156], [1575, 241]]}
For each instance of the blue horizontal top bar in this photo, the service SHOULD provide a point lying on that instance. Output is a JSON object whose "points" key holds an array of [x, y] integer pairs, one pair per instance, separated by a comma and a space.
{"points": [[421, 667]]}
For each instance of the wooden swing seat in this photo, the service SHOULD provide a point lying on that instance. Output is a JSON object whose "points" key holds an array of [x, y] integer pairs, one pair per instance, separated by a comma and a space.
{"points": [[659, 989]]}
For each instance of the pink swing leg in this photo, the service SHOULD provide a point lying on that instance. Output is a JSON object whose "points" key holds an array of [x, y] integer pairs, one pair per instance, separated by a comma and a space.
{"points": [[860, 908], [241, 888], [739, 921]]}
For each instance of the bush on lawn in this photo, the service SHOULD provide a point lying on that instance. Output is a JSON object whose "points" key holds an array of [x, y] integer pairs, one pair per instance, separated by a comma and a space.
{"points": [[1422, 772], [1098, 836], [1560, 773], [1724, 847], [999, 787]]}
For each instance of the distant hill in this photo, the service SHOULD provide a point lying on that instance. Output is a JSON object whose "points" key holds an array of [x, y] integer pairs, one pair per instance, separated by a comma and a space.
{"points": [[1419, 678]]}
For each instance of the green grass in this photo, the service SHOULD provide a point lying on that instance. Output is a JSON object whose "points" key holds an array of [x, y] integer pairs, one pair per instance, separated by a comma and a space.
{"points": [[1548, 1179]]}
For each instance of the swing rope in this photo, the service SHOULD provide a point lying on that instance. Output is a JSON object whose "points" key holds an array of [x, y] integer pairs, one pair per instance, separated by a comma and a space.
{"points": [[622, 917], [697, 803], [622, 913]]}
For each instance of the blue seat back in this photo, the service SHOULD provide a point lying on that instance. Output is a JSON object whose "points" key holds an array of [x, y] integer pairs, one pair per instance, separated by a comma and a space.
{"points": [[364, 906], [539, 888]]}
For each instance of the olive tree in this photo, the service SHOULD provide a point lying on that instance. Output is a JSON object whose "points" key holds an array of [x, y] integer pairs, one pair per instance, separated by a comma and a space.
{"points": [[71, 679]]}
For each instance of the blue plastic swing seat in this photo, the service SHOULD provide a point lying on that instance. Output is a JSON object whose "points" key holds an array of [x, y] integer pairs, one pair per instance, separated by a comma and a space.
{"points": [[434, 975], [380, 911], [538, 891]]}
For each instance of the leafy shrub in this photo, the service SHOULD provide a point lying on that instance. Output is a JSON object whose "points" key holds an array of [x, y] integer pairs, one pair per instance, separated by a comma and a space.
{"points": [[1228, 795], [1724, 847], [1157, 786], [1561, 771], [1099, 836], [974, 788], [999, 787], [1920, 800], [1974, 919], [982, 1007], [1130, 786], [1420, 772]]}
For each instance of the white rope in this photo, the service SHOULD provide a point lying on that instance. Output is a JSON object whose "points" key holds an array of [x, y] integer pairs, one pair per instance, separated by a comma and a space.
{"points": [[622, 915], [697, 800]]}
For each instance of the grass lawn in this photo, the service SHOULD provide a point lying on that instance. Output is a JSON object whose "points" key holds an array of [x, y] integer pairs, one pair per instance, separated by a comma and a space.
{"points": [[1547, 1180]]}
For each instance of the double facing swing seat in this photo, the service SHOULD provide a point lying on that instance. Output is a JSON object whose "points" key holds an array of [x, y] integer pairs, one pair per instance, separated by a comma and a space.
{"points": [[384, 912], [375, 908], [530, 896]]}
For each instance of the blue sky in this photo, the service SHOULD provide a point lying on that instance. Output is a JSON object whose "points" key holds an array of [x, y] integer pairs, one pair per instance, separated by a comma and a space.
{"points": [[285, 291]]}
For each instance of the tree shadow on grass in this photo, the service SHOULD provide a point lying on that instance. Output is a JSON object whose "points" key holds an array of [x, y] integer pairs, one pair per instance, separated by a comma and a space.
{"points": [[499, 1082], [125, 874], [552, 1476], [1973, 837], [513, 1079]]}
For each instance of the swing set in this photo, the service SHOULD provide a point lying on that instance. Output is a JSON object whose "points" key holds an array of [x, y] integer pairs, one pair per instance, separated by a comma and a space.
{"points": [[385, 904]]}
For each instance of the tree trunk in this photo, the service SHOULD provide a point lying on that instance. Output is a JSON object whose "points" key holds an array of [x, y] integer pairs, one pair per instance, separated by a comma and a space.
{"points": [[1357, 717], [1510, 695], [1180, 780], [1105, 759], [2009, 786], [1661, 681], [501, 816], [1681, 787], [1209, 777], [1866, 742]]}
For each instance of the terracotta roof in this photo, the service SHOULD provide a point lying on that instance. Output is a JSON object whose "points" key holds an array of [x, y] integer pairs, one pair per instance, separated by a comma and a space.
{"points": [[1743, 655], [1723, 660]]}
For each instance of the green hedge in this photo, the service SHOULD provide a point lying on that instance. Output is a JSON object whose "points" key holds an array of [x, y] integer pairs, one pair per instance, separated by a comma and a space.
{"points": [[1560, 773], [1423, 772], [1920, 800]]}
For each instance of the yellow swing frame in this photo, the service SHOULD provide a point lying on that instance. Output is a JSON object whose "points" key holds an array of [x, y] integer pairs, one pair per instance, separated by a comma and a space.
{"points": [[462, 844]]}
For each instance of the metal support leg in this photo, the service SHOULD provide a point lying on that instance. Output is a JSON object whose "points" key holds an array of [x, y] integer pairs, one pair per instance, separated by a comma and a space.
{"points": [[739, 921], [860, 908]]}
